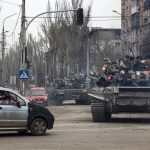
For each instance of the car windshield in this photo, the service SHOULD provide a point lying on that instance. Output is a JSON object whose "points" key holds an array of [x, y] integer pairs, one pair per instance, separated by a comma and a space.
{"points": [[38, 92]]}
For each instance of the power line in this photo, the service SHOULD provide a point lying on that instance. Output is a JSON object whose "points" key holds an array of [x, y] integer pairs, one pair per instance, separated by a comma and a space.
{"points": [[10, 3], [84, 17], [96, 17], [107, 20]]}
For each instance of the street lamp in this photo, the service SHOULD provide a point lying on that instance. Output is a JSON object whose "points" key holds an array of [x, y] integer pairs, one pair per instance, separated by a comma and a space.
{"points": [[115, 11], [3, 45]]}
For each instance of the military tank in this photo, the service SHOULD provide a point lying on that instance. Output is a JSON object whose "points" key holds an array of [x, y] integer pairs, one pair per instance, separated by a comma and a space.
{"points": [[110, 98], [68, 89]]}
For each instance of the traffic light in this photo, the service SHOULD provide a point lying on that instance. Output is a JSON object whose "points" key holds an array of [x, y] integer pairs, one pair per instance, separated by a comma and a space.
{"points": [[25, 53], [80, 16], [28, 64]]}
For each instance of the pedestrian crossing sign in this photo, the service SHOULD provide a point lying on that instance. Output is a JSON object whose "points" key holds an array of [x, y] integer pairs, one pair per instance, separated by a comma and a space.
{"points": [[23, 74]]}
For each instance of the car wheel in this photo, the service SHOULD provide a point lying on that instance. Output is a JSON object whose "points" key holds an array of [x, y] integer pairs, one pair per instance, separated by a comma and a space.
{"points": [[38, 127]]}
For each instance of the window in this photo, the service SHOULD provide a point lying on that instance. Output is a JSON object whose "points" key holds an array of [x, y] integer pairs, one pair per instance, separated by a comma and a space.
{"points": [[135, 19], [22, 102], [8, 98], [145, 20], [38, 92]]}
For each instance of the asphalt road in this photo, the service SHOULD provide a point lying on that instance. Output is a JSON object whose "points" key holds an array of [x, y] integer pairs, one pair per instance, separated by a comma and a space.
{"points": [[74, 130]]}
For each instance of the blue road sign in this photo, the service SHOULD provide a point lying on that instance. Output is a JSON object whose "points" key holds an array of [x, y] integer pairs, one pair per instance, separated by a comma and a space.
{"points": [[23, 74]]}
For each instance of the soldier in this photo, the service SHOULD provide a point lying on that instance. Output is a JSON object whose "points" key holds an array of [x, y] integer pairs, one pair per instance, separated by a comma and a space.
{"points": [[107, 67], [126, 67], [139, 64]]}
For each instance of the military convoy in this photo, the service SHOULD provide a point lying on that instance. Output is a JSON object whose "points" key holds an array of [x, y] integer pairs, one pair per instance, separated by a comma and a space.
{"points": [[113, 97], [68, 89]]}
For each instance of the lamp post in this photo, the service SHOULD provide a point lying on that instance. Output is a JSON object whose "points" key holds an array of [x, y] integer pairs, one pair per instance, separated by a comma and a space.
{"points": [[115, 11], [3, 47]]}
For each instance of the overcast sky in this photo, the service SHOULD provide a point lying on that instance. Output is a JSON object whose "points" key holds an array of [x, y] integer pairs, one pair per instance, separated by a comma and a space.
{"points": [[100, 8]]}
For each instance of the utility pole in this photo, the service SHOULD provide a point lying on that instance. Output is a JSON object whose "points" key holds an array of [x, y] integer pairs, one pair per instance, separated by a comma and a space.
{"points": [[3, 44], [23, 35], [23, 44], [3, 51]]}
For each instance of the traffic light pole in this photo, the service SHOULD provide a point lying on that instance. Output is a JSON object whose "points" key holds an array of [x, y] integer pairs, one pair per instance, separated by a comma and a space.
{"points": [[48, 12]]}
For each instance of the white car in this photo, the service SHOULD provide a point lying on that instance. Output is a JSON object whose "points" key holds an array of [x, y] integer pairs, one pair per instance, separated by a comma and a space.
{"points": [[19, 114]]}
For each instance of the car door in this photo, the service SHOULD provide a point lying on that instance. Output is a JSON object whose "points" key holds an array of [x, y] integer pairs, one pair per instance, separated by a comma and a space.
{"points": [[11, 115]]}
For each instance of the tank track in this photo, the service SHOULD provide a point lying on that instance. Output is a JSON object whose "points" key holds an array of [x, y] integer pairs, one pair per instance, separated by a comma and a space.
{"points": [[98, 111]]}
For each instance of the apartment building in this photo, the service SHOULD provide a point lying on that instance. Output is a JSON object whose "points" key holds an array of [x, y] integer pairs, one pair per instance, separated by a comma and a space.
{"points": [[103, 42], [135, 26]]}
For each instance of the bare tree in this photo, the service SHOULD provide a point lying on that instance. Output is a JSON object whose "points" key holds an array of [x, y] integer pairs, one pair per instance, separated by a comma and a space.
{"points": [[67, 41]]}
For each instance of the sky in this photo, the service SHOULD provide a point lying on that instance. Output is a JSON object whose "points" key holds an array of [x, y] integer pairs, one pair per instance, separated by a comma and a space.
{"points": [[101, 10]]}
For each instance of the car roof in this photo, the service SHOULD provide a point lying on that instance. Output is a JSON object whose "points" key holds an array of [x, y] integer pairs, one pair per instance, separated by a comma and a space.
{"points": [[6, 89], [38, 88]]}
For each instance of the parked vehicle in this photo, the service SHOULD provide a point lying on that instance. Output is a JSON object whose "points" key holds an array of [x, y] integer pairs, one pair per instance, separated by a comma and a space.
{"points": [[19, 114], [38, 95]]}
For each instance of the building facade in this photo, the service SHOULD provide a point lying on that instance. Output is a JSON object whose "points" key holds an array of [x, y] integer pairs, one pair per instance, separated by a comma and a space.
{"points": [[103, 42], [135, 24]]}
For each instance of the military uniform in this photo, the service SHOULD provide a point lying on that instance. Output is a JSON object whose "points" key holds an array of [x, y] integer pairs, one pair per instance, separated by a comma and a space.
{"points": [[127, 65], [107, 67]]}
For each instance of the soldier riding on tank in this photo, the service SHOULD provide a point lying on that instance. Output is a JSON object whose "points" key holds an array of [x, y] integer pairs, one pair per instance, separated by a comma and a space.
{"points": [[126, 68], [107, 67]]}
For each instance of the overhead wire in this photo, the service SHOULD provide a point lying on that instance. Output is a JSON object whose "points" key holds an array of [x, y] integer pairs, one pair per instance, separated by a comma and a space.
{"points": [[90, 20], [98, 17], [85, 17], [10, 3], [107, 20]]}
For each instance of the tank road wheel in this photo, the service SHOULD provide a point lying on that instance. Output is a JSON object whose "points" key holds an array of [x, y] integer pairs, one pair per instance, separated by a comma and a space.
{"points": [[38, 127], [98, 110]]}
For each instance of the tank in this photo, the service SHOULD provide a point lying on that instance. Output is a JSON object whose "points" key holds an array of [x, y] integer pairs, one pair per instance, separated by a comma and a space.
{"points": [[117, 99], [115, 96], [68, 89]]}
